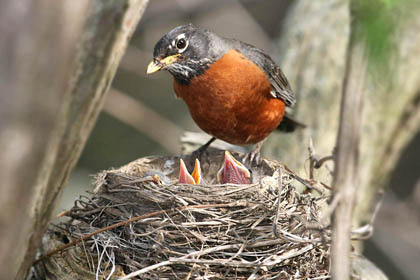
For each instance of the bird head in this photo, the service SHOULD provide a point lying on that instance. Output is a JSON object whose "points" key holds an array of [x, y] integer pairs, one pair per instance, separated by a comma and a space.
{"points": [[186, 51], [233, 172], [185, 177]]}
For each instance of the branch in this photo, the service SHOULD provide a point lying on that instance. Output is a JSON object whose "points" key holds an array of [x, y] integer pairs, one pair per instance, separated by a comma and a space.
{"points": [[134, 113], [132, 220], [52, 127], [37, 44], [346, 179]]}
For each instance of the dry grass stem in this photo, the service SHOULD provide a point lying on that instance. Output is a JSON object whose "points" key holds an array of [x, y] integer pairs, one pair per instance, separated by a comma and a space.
{"points": [[135, 226]]}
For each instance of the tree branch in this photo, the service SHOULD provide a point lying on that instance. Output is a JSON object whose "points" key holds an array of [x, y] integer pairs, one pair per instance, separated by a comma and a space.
{"points": [[51, 128], [346, 177], [144, 119]]}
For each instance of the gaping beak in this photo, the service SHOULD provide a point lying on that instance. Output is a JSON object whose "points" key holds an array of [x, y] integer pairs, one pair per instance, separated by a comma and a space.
{"points": [[156, 65], [233, 172], [196, 174], [184, 175]]}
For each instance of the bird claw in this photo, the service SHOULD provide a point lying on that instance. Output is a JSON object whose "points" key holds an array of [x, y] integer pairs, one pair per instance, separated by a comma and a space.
{"points": [[254, 157]]}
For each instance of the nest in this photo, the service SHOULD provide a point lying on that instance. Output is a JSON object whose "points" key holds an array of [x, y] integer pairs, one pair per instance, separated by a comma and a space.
{"points": [[143, 225]]}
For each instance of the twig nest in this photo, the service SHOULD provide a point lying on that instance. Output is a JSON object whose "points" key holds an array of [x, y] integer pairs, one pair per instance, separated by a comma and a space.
{"points": [[263, 230]]}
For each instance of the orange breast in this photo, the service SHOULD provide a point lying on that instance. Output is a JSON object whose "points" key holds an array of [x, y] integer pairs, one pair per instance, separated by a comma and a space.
{"points": [[232, 101]]}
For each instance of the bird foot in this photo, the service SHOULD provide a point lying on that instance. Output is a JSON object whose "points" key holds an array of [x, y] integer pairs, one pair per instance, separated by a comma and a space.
{"points": [[253, 157]]}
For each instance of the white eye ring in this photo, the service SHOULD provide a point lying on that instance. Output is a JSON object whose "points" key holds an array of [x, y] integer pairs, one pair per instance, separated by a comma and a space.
{"points": [[180, 39]]}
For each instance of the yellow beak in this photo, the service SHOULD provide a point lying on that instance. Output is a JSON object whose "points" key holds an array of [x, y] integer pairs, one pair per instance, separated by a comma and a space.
{"points": [[156, 66]]}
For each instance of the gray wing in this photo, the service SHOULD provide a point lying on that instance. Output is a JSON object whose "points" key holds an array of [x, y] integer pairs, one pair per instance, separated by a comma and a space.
{"points": [[280, 86]]}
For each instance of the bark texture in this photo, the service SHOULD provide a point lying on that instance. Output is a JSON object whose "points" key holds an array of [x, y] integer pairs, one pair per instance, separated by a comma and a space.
{"points": [[346, 174], [36, 47], [51, 96], [312, 53]]}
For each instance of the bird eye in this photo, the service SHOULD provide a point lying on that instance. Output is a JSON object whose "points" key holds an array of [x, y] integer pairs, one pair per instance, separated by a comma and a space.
{"points": [[181, 43]]}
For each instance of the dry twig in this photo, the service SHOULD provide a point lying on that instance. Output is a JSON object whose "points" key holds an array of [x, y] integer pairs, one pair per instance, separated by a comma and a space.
{"points": [[186, 231]]}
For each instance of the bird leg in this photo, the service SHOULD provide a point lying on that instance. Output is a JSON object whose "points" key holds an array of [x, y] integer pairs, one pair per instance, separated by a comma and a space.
{"points": [[254, 155], [199, 152]]}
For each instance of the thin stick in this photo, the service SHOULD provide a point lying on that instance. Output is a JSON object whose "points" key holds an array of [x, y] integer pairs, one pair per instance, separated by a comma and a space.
{"points": [[287, 255], [315, 161], [346, 172], [366, 231], [276, 218], [144, 270], [301, 180], [123, 223]]}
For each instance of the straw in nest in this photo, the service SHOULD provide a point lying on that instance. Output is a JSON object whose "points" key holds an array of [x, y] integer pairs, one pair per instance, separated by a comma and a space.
{"points": [[143, 225]]}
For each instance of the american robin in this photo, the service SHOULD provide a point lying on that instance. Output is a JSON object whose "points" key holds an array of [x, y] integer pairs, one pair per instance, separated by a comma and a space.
{"points": [[234, 91], [231, 172], [185, 177]]}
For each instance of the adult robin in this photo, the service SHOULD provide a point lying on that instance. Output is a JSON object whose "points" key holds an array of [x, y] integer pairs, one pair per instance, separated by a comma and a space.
{"points": [[234, 91]]}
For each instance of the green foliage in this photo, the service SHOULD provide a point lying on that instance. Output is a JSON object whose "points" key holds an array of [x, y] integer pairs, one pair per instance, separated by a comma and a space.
{"points": [[377, 23]]}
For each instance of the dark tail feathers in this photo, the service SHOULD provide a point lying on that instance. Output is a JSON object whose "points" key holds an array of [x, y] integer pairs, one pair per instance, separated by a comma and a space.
{"points": [[288, 124]]}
